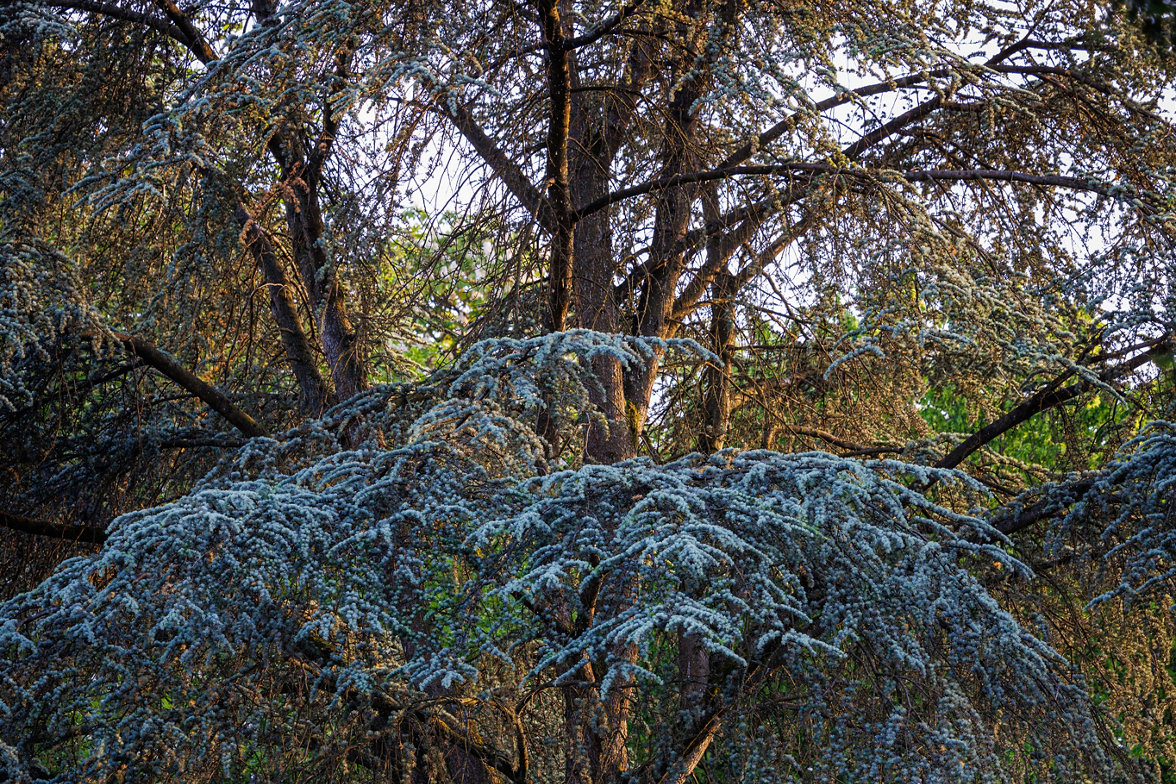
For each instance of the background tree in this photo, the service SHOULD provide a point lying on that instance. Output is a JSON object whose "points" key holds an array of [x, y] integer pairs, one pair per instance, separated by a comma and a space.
{"points": [[935, 240]]}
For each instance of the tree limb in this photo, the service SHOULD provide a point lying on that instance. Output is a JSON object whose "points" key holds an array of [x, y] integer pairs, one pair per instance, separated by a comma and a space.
{"points": [[1010, 521], [607, 26], [208, 394], [122, 14], [193, 39], [1051, 396], [505, 169], [30, 525], [809, 169]]}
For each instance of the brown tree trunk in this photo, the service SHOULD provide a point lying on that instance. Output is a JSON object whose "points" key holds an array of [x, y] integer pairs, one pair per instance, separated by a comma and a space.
{"points": [[313, 390], [596, 307], [559, 85], [717, 375], [339, 339]]}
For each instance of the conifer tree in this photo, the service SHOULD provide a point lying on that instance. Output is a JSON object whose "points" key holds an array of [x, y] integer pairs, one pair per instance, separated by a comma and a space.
{"points": [[767, 391]]}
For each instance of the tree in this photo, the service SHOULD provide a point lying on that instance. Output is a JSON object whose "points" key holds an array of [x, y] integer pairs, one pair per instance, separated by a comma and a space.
{"points": [[935, 241]]}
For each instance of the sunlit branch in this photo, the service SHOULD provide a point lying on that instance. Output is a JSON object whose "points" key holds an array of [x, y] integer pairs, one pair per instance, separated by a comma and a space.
{"points": [[208, 394], [124, 14], [1053, 395], [193, 38]]}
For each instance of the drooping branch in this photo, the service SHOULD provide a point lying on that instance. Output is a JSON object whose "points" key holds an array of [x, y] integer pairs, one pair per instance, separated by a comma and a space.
{"points": [[208, 394], [789, 123], [807, 170], [123, 14], [1012, 520], [177, 26], [1053, 395], [87, 534], [589, 37]]}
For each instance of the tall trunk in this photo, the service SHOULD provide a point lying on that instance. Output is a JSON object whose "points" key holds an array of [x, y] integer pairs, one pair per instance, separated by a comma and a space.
{"points": [[339, 339], [313, 389], [671, 219], [717, 376], [596, 144], [596, 308], [582, 755], [559, 84]]}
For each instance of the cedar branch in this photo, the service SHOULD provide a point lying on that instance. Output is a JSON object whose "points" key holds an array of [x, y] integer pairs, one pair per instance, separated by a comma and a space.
{"points": [[208, 394], [30, 525]]}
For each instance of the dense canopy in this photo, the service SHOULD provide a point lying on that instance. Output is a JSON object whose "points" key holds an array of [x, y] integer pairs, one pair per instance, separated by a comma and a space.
{"points": [[647, 391]]}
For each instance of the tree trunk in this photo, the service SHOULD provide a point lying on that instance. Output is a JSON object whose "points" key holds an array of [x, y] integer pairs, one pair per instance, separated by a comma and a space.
{"points": [[313, 390], [717, 375], [339, 339]]}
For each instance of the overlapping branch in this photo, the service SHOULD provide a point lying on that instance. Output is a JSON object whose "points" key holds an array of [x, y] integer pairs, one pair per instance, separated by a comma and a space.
{"points": [[207, 393]]}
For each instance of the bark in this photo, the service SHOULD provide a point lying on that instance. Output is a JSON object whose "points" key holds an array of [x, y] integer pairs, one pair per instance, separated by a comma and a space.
{"points": [[1056, 501], [684, 767], [583, 753], [192, 38], [301, 172], [596, 307], [313, 390], [30, 525], [208, 394], [717, 375], [338, 336], [559, 86], [671, 219]]}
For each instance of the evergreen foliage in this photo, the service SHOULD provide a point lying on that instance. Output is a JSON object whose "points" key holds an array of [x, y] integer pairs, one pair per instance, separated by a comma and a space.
{"points": [[398, 602]]}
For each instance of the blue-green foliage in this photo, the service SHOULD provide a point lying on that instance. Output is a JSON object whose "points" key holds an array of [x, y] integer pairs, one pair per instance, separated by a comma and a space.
{"points": [[368, 598], [1135, 499]]}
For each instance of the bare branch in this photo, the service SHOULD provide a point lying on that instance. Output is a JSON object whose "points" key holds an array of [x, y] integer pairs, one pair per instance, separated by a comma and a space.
{"points": [[1051, 396], [878, 88], [808, 170], [505, 169], [30, 525], [210, 395]]}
